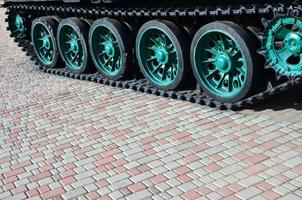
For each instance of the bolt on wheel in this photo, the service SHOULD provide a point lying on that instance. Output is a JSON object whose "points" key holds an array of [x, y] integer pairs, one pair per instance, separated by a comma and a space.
{"points": [[72, 37], [44, 41], [282, 45], [160, 50], [109, 45], [221, 56]]}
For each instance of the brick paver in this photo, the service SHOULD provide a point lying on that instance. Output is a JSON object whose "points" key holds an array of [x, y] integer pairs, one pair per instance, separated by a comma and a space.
{"points": [[65, 138]]}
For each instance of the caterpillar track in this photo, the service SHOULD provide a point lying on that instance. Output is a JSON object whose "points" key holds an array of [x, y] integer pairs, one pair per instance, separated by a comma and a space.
{"points": [[274, 80]]}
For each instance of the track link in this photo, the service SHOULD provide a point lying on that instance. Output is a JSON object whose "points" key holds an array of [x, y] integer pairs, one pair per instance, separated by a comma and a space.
{"points": [[141, 85]]}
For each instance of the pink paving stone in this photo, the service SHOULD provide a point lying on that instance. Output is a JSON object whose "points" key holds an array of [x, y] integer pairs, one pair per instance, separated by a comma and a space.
{"points": [[297, 169], [10, 179], [203, 190], [264, 186], [93, 195], [283, 178], [241, 156], [270, 194], [254, 169], [199, 148], [19, 189], [67, 173], [14, 172], [125, 191], [269, 145], [191, 158], [102, 183], [43, 189], [183, 170], [235, 187], [110, 152], [212, 167], [136, 187], [256, 159], [70, 166], [53, 193], [118, 163], [147, 140], [150, 152], [133, 171], [186, 139], [22, 164], [190, 195], [40, 176], [69, 180], [158, 179], [8, 187], [225, 191], [184, 178], [216, 157], [249, 144], [101, 169], [208, 138], [32, 193], [120, 169], [104, 161]]}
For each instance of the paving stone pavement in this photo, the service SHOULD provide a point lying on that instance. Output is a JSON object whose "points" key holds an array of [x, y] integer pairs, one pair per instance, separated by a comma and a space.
{"points": [[63, 138]]}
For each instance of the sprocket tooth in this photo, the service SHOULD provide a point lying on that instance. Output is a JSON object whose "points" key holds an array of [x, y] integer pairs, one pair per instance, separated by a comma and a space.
{"points": [[262, 51], [265, 22]]}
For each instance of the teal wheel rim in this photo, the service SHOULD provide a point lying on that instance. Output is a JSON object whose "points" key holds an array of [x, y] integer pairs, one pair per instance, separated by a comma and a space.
{"points": [[106, 52], [283, 45], [71, 48], [220, 63], [17, 25], [158, 56], [43, 44]]}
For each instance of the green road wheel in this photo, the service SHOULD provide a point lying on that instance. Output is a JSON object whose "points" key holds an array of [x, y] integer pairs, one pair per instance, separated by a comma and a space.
{"points": [[109, 45], [72, 37], [161, 53], [282, 45], [43, 35], [17, 24], [222, 61]]}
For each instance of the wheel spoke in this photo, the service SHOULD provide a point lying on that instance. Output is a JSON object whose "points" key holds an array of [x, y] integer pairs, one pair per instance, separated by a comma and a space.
{"points": [[221, 81], [210, 75], [164, 76], [230, 83], [210, 60], [284, 54], [156, 70]]}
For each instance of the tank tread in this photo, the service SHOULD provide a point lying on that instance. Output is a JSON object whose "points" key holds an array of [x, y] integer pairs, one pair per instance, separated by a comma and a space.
{"points": [[141, 85]]}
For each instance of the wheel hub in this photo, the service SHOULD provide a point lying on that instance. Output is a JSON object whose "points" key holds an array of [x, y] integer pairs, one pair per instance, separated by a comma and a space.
{"points": [[161, 54], [223, 62], [46, 42], [293, 43], [109, 49], [74, 46], [19, 23]]}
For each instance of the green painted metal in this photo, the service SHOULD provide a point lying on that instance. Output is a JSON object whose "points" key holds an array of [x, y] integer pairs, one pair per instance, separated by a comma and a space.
{"points": [[220, 64], [159, 57], [71, 48], [283, 45], [43, 43], [17, 25], [106, 52]]}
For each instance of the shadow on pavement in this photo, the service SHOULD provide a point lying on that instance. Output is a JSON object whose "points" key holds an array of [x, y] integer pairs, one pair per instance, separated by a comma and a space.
{"points": [[289, 100]]}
